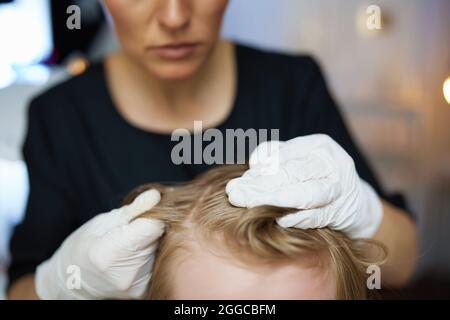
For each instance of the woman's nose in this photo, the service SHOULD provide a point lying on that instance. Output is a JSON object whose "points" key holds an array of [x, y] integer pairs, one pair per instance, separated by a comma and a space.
{"points": [[175, 14]]}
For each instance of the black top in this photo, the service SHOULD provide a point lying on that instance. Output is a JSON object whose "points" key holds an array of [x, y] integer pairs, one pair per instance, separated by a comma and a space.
{"points": [[83, 157]]}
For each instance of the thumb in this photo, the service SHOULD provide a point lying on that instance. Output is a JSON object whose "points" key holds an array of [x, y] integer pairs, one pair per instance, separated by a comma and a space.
{"points": [[124, 243], [144, 202], [142, 233], [138, 234]]}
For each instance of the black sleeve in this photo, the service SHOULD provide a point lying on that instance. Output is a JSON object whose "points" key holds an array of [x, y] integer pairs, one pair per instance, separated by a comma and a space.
{"points": [[320, 114], [48, 218]]}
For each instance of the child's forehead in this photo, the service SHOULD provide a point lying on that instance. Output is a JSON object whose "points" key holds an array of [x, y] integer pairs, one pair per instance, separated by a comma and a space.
{"points": [[209, 274]]}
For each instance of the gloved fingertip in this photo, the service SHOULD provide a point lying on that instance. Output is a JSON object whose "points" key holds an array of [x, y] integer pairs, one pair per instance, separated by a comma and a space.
{"points": [[230, 185], [237, 198], [295, 220], [284, 222], [144, 202]]}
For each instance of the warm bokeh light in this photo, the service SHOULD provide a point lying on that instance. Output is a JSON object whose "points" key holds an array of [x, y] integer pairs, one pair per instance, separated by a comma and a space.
{"points": [[447, 90], [77, 66]]}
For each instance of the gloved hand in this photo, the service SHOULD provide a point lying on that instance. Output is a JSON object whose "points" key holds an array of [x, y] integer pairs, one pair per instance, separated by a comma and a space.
{"points": [[315, 175], [114, 253]]}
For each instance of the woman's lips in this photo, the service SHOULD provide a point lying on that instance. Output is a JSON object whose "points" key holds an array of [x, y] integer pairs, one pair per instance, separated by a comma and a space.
{"points": [[174, 51]]}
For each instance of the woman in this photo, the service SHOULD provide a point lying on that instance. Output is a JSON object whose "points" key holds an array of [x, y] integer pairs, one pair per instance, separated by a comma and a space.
{"points": [[95, 137]]}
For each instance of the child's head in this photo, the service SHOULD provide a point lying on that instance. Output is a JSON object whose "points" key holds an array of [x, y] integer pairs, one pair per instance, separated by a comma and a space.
{"points": [[213, 250]]}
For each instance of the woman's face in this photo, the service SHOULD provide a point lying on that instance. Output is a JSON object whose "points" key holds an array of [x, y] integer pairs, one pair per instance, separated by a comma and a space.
{"points": [[171, 39]]}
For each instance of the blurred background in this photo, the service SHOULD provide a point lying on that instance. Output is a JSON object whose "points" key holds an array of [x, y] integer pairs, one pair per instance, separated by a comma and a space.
{"points": [[388, 82]]}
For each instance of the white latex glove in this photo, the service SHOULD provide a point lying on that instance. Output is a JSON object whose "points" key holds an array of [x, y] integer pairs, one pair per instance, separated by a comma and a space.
{"points": [[315, 175], [113, 253]]}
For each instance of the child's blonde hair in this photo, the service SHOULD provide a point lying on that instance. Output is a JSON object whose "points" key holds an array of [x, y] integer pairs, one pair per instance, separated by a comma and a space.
{"points": [[252, 235]]}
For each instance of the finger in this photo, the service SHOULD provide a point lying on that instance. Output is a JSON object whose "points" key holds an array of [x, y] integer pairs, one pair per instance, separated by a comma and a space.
{"points": [[305, 219], [304, 195], [255, 179], [311, 141], [292, 172], [125, 256], [144, 202], [139, 234], [307, 145], [253, 183], [315, 164], [136, 241], [263, 154]]}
